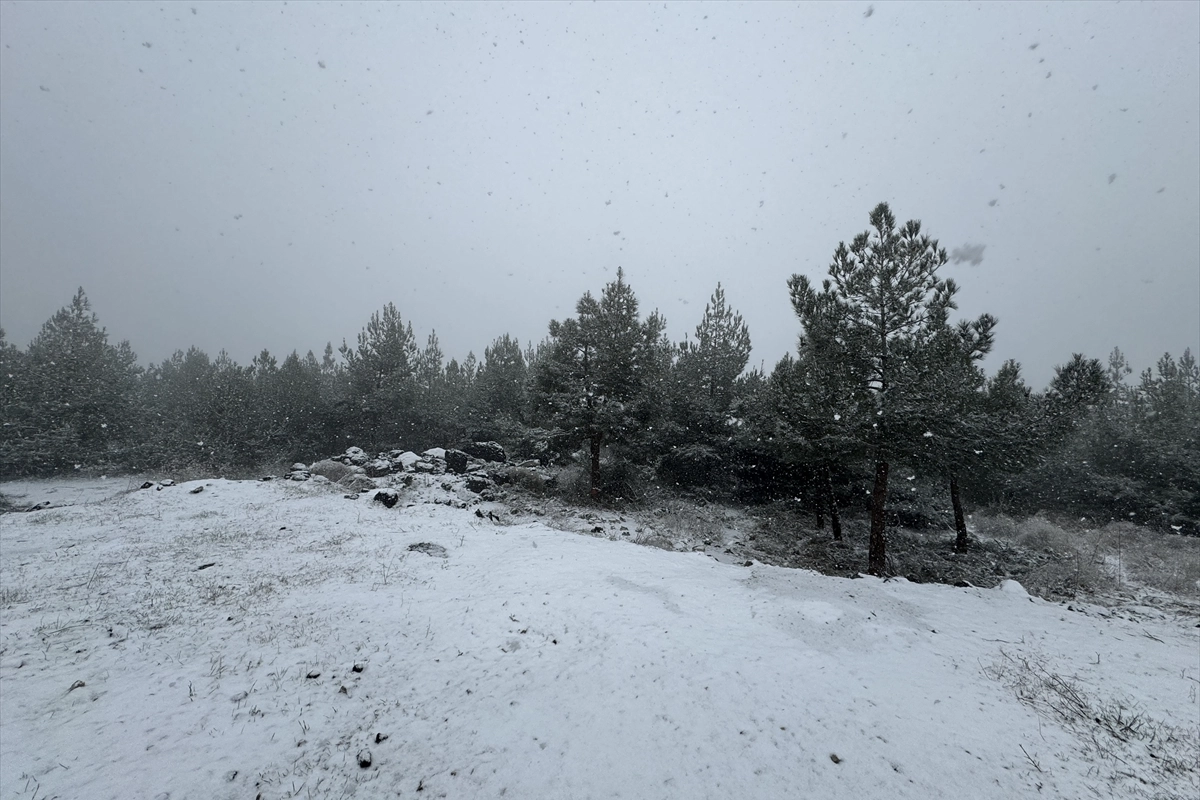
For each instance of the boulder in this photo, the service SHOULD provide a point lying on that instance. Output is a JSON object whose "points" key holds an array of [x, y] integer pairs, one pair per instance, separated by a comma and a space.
{"points": [[435, 452], [424, 466], [389, 497], [408, 458], [485, 451], [298, 467], [456, 461], [358, 483], [356, 456], [378, 468], [479, 483]]}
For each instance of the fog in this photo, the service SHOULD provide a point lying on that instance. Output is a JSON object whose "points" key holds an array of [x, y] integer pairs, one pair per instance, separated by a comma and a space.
{"points": [[266, 175]]}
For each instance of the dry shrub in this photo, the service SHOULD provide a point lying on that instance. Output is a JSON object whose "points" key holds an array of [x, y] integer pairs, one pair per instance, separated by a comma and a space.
{"points": [[655, 539], [1088, 560], [333, 470], [1069, 574], [1168, 562], [1036, 533], [530, 480]]}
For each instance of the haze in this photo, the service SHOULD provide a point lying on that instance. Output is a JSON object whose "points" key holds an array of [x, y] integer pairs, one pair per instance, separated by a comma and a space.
{"points": [[266, 175]]}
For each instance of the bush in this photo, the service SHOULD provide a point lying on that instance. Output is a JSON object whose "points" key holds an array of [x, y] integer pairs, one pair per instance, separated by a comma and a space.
{"points": [[691, 465], [333, 470]]}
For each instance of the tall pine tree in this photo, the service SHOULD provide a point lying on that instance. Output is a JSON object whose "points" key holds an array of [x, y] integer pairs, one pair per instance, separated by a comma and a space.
{"points": [[880, 309], [596, 382]]}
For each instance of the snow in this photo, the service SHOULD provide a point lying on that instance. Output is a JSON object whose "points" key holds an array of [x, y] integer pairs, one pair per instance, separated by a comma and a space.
{"points": [[528, 663]]}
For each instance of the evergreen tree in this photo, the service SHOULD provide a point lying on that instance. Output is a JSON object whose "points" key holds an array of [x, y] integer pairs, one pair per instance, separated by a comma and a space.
{"points": [[701, 390], [500, 390], [709, 365], [958, 431], [885, 304], [77, 393], [379, 373], [595, 383]]}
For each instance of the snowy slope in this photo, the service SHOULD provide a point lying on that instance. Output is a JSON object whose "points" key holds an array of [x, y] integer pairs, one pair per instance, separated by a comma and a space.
{"points": [[528, 663]]}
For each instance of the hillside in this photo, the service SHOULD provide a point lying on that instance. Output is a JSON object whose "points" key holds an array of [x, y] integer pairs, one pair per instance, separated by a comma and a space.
{"points": [[276, 640]]}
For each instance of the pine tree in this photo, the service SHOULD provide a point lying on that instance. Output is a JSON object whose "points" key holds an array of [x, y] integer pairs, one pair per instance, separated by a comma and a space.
{"points": [[380, 372], [79, 389], [957, 429], [500, 390], [709, 364], [880, 308], [595, 382]]}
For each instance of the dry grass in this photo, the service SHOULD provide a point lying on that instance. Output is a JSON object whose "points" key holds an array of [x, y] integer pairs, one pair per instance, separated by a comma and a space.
{"points": [[1115, 731], [1091, 560]]}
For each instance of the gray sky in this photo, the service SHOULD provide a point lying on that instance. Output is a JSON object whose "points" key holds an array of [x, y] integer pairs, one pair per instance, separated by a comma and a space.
{"points": [[249, 175]]}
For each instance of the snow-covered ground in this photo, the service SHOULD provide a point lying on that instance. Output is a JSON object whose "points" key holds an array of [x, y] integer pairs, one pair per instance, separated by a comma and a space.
{"points": [[268, 639]]}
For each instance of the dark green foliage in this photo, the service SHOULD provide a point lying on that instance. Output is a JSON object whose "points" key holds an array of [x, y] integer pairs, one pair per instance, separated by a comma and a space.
{"points": [[703, 387], [876, 333], [600, 381], [69, 399], [500, 387], [880, 377], [1120, 451]]}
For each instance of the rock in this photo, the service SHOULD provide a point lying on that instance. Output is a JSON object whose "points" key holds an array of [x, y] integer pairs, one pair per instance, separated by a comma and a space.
{"points": [[333, 470], [197, 490], [358, 483], [408, 458], [389, 497], [486, 451], [435, 452], [299, 475], [429, 549], [364, 758], [355, 456], [167, 482], [424, 466], [478, 483], [380, 737], [358, 667], [1012, 587], [456, 461], [378, 468], [298, 467], [313, 674]]}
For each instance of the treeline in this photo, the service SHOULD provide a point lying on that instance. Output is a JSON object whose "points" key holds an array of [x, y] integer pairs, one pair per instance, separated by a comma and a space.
{"points": [[883, 407]]}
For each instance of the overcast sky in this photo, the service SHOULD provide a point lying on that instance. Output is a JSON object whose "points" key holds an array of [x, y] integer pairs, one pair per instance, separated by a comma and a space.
{"points": [[250, 175]]}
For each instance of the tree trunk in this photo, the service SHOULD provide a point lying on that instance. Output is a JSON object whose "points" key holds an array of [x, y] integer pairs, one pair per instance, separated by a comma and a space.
{"points": [[835, 520], [877, 550], [595, 443], [960, 524]]}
